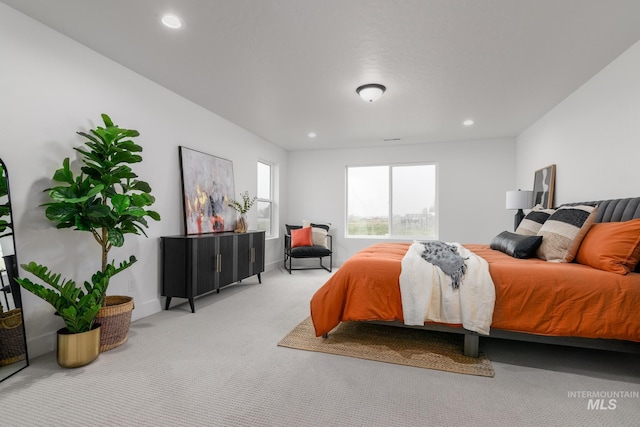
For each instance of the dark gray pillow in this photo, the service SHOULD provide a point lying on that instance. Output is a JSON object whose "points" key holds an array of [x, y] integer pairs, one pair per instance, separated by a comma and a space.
{"points": [[516, 245]]}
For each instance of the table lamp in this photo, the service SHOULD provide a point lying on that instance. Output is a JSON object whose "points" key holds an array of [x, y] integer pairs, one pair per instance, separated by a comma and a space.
{"points": [[519, 200]]}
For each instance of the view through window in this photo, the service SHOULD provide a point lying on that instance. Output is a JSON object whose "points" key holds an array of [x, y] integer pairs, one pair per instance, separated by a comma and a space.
{"points": [[395, 201], [264, 201]]}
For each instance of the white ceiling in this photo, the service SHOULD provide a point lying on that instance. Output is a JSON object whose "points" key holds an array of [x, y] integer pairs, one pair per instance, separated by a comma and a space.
{"points": [[284, 68]]}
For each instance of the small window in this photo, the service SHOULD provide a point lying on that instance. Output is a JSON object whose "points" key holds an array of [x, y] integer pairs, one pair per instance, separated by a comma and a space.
{"points": [[392, 201], [264, 201]]}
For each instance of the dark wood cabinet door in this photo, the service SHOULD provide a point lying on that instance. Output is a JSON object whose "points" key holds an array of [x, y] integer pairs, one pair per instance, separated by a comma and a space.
{"points": [[176, 280], [244, 255], [226, 253], [257, 256], [205, 264]]}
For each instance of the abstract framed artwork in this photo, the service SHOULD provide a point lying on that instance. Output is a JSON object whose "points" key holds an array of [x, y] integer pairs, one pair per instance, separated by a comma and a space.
{"points": [[544, 182], [207, 187]]}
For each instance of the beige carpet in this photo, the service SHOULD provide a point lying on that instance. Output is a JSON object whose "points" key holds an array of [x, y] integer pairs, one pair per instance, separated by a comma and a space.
{"points": [[391, 344]]}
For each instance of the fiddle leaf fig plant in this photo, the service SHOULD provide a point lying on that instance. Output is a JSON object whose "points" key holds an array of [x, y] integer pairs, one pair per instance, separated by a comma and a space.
{"points": [[106, 199]]}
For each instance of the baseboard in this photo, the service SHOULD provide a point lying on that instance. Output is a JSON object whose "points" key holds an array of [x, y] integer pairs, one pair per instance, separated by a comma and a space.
{"points": [[41, 345], [145, 309], [272, 266]]}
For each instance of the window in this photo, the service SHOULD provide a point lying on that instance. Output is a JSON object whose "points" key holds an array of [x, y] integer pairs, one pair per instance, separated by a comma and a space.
{"points": [[264, 201], [397, 201]]}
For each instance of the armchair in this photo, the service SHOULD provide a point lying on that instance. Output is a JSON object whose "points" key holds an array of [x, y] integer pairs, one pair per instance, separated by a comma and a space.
{"points": [[321, 247]]}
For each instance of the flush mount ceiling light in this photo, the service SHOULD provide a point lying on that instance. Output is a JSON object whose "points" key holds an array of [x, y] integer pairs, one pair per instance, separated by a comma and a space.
{"points": [[370, 92], [468, 122], [172, 21], [312, 135]]}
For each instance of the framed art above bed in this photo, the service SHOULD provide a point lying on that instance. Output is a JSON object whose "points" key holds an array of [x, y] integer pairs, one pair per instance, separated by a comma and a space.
{"points": [[207, 187], [544, 182]]}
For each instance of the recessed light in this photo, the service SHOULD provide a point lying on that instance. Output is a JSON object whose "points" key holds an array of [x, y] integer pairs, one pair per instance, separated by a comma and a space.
{"points": [[468, 122], [172, 21], [312, 135]]}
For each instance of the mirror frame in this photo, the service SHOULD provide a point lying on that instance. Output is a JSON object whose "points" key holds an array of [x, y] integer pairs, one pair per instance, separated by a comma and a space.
{"points": [[12, 272]]}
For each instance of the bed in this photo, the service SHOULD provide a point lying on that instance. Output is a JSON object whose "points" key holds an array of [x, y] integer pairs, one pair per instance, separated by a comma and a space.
{"points": [[589, 302]]}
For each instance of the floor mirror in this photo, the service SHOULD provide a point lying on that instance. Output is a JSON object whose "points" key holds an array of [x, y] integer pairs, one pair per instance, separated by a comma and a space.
{"points": [[13, 343]]}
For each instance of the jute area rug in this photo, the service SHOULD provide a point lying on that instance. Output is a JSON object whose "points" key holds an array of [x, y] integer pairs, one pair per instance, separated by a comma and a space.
{"points": [[391, 344]]}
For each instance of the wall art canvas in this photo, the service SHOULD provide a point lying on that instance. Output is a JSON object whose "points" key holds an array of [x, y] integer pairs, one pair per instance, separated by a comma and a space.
{"points": [[207, 187], [543, 186]]}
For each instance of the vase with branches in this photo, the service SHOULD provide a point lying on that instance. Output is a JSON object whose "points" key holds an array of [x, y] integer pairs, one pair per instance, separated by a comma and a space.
{"points": [[242, 207]]}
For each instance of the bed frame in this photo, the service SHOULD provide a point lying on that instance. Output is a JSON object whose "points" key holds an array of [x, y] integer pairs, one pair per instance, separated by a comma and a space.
{"points": [[616, 210]]}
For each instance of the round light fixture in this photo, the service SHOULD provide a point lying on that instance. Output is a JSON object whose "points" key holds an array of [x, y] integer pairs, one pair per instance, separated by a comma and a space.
{"points": [[312, 135], [370, 92], [468, 122], [172, 21]]}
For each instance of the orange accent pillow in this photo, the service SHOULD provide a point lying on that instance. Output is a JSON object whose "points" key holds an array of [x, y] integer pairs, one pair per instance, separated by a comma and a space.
{"points": [[301, 237], [611, 246]]}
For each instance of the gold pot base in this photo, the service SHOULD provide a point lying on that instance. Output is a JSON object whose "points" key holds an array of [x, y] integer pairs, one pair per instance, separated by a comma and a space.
{"points": [[75, 350]]}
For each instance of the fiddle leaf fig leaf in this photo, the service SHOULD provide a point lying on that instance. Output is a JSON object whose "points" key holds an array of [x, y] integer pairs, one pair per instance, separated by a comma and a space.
{"points": [[143, 199], [154, 215], [120, 203], [141, 186], [64, 174], [116, 237]]}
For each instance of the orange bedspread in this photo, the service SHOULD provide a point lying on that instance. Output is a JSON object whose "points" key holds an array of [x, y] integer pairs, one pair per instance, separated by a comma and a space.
{"points": [[532, 295]]}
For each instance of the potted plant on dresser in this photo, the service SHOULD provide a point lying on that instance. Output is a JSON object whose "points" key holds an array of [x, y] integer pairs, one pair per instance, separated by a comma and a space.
{"points": [[108, 201], [242, 208]]}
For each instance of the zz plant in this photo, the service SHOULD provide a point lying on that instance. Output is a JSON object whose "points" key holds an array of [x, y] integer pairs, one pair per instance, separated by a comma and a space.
{"points": [[77, 307], [106, 199]]}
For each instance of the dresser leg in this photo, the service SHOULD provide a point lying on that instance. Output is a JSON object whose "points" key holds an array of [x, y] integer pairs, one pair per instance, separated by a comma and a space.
{"points": [[259, 278], [193, 308], [166, 304]]}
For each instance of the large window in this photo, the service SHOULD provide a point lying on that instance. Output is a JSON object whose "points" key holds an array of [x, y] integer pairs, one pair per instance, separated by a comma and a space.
{"points": [[396, 201], [264, 201]]}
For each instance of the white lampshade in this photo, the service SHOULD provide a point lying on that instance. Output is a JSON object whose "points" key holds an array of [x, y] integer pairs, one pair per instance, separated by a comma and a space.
{"points": [[370, 92], [519, 199]]}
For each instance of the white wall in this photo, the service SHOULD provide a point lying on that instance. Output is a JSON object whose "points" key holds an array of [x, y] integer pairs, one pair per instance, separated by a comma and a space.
{"points": [[593, 137], [473, 178], [50, 88]]}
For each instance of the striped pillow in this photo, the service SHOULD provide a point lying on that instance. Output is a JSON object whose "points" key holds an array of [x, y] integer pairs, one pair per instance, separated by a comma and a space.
{"points": [[531, 223], [563, 232]]}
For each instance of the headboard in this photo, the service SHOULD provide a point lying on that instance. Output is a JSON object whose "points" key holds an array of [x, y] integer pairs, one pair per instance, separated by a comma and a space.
{"points": [[618, 210], [615, 210]]}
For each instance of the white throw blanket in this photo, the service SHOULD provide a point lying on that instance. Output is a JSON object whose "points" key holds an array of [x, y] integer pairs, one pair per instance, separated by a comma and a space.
{"points": [[427, 294]]}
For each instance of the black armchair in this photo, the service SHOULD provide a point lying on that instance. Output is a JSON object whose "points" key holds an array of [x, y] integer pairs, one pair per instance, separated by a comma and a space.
{"points": [[314, 251]]}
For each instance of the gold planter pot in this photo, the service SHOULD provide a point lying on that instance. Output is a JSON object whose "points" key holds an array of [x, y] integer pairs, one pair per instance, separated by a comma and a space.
{"points": [[75, 350]]}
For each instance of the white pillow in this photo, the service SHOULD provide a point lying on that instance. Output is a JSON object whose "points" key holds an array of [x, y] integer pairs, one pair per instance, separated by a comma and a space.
{"points": [[319, 232]]}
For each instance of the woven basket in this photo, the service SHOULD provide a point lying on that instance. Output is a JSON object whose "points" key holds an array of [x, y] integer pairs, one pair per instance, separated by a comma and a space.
{"points": [[11, 337], [115, 319]]}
